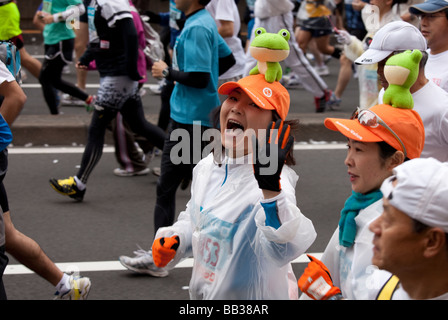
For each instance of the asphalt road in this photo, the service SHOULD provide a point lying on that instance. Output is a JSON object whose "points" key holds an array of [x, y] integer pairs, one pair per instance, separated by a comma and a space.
{"points": [[116, 215]]}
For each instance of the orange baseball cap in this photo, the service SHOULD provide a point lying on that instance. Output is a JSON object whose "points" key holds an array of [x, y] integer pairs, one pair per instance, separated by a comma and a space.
{"points": [[266, 95], [406, 124]]}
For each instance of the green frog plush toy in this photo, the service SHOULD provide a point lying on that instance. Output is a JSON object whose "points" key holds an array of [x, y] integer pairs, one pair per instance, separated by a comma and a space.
{"points": [[401, 71], [269, 49]]}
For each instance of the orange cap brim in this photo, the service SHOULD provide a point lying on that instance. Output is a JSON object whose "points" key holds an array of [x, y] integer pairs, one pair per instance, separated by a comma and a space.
{"points": [[352, 129], [404, 123], [268, 96], [259, 100]]}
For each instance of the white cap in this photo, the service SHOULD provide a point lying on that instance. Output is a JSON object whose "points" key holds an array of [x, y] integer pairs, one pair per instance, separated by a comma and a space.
{"points": [[394, 36], [421, 191]]}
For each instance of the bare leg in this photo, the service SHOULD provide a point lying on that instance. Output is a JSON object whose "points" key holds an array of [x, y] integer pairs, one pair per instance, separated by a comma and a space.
{"points": [[29, 253], [345, 74], [31, 64], [81, 41]]}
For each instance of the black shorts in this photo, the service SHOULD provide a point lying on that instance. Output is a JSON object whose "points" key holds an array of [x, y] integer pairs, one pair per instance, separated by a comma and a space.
{"points": [[18, 41], [318, 27], [3, 168]]}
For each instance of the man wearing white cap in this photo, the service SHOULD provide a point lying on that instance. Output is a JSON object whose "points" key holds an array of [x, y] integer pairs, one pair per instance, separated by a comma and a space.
{"points": [[411, 235], [375, 15], [430, 101], [433, 15]]}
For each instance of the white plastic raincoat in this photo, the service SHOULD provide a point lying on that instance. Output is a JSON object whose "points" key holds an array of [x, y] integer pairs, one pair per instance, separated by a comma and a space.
{"points": [[351, 268], [236, 255]]}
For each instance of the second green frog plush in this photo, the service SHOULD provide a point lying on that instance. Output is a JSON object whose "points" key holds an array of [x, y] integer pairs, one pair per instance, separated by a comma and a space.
{"points": [[401, 71], [269, 49]]}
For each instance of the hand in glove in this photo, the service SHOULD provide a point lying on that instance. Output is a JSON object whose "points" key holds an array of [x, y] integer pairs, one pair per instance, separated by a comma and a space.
{"points": [[270, 157], [343, 37], [164, 250], [316, 281]]}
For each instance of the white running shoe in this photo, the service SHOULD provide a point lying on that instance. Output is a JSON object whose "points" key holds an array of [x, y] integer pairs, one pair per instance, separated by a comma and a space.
{"points": [[157, 88], [322, 70], [68, 100], [124, 173], [293, 82], [143, 263], [80, 288]]}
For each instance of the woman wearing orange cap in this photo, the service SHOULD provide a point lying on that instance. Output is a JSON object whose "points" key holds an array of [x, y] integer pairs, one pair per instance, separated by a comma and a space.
{"points": [[379, 139], [241, 225]]}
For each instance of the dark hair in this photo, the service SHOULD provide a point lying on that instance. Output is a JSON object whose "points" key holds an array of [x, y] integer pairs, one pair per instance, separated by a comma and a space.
{"points": [[422, 62], [386, 151], [294, 124], [399, 2], [424, 59], [204, 2]]}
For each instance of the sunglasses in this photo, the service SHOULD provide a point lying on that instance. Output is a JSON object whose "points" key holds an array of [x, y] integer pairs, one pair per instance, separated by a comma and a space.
{"points": [[370, 119]]}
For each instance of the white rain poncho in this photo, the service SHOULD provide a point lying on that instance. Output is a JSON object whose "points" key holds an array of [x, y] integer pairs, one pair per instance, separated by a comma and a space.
{"points": [[236, 255]]}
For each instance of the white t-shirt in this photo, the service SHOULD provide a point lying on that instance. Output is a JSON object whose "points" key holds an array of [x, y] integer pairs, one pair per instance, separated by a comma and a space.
{"points": [[380, 277], [431, 103], [228, 11], [400, 294], [5, 75], [436, 69]]}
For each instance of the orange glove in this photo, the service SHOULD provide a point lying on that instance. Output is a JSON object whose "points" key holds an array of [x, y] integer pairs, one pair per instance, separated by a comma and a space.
{"points": [[316, 281], [164, 250]]}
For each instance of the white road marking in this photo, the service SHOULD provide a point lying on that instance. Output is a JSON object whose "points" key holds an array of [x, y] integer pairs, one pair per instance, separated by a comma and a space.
{"points": [[88, 85], [320, 146], [53, 150], [110, 149], [91, 266]]}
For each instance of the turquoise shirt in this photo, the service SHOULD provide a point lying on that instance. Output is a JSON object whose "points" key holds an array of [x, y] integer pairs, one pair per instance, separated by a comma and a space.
{"points": [[198, 49], [58, 31]]}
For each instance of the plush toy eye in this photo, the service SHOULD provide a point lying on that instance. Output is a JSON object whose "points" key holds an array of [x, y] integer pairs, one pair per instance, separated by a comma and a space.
{"points": [[285, 34], [259, 31]]}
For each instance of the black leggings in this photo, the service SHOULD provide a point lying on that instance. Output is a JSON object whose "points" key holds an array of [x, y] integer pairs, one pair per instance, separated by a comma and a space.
{"points": [[132, 112], [56, 57], [5, 208], [3, 264], [3, 169], [172, 174]]}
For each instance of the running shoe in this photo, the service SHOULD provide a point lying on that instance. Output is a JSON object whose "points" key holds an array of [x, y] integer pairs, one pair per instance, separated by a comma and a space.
{"points": [[334, 103], [156, 171], [157, 88], [143, 263], [322, 70], [79, 289], [124, 173], [321, 102], [68, 187], [68, 100], [293, 82]]}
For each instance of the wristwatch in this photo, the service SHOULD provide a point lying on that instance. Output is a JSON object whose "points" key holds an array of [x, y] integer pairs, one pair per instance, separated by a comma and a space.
{"points": [[165, 72]]}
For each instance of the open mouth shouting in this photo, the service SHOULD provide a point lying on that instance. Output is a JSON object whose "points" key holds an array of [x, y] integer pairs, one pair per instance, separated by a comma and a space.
{"points": [[234, 125], [234, 134]]}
